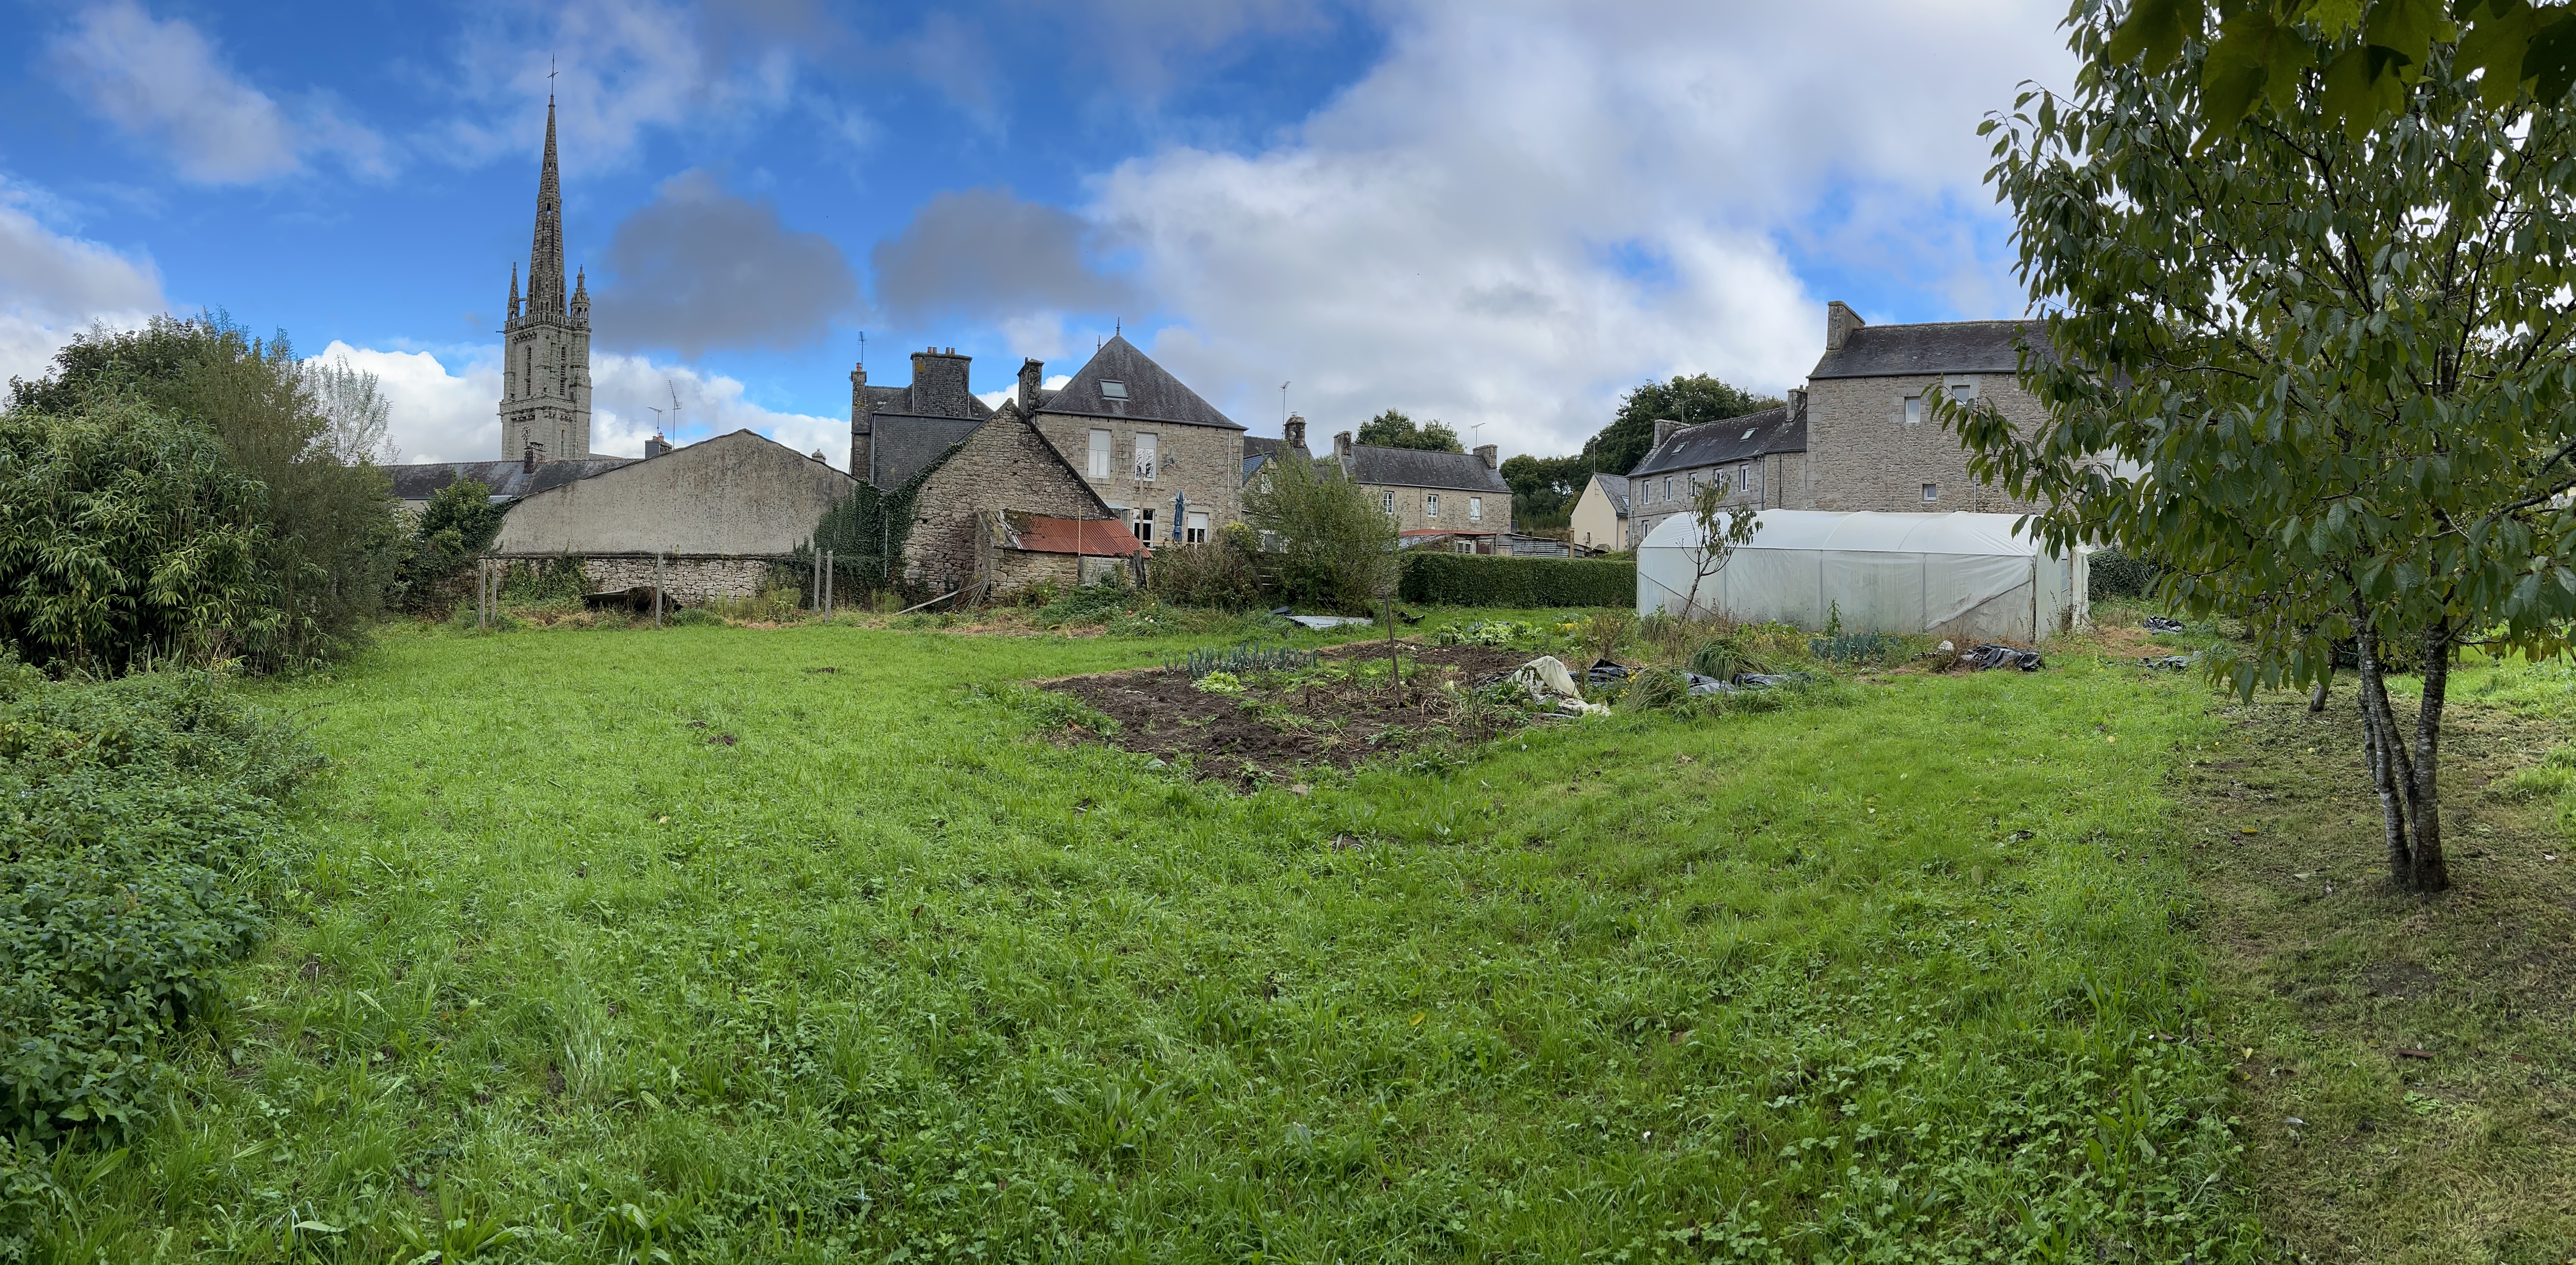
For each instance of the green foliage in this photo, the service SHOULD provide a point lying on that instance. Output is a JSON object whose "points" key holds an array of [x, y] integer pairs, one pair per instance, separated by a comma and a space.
{"points": [[2335, 371], [2352, 61], [1242, 660], [142, 828], [1089, 604], [125, 536], [1691, 400], [1497, 633], [1219, 574], [532, 581], [1545, 489], [459, 524], [331, 540], [1457, 579], [2113, 573], [867, 531], [1392, 429], [1867, 647], [1336, 547]]}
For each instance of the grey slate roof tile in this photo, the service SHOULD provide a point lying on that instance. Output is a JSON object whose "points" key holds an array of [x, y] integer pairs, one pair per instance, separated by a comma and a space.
{"points": [[903, 444], [1153, 394], [505, 478], [1733, 439], [1416, 468], [1615, 486], [1888, 351]]}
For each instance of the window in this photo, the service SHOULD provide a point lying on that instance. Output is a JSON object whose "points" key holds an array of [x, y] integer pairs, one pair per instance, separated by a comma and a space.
{"points": [[1145, 526], [1744, 478], [1112, 390], [1962, 389], [1668, 487], [1099, 467], [1931, 491], [1913, 410], [1196, 532], [1386, 501], [1431, 505], [1475, 509], [1145, 457]]}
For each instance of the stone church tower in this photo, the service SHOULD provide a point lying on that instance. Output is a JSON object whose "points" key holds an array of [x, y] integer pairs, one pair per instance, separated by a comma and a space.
{"points": [[545, 378]]}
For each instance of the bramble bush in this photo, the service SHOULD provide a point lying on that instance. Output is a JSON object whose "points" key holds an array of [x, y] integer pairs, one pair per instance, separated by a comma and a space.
{"points": [[144, 822]]}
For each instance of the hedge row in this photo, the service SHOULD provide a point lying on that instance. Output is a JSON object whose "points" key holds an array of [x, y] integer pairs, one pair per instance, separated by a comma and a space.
{"points": [[1458, 579], [2115, 574]]}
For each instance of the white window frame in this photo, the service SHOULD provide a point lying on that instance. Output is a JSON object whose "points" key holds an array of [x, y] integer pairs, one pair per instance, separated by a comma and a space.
{"points": [[1108, 393], [1149, 452], [1194, 529], [1913, 413], [1142, 523], [1931, 493], [1475, 509], [1431, 505], [1386, 501], [1961, 389], [1104, 447], [1668, 487], [1744, 477]]}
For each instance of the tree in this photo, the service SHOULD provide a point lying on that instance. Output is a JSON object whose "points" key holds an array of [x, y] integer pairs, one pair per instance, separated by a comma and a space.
{"points": [[354, 413], [2356, 61], [1689, 400], [1336, 547], [332, 539], [2325, 379], [458, 524], [1544, 489], [1721, 528], [1392, 429]]}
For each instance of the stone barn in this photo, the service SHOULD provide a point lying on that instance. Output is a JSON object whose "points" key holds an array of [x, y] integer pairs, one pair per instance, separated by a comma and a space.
{"points": [[993, 503], [716, 514]]}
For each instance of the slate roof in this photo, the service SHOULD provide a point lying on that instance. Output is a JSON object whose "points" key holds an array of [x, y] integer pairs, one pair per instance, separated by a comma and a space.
{"points": [[1153, 394], [901, 445], [1614, 486], [1258, 449], [899, 400], [1722, 442], [1889, 351], [1416, 468], [506, 479]]}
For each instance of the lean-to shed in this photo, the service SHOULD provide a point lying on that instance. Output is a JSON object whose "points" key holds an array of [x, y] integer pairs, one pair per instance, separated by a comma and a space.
{"points": [[1968, 577]]}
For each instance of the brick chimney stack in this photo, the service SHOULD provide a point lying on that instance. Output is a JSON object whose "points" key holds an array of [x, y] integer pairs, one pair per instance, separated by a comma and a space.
{"points": [[1294, 431], [1032, 378], [1493, 455], [1840, 321]]}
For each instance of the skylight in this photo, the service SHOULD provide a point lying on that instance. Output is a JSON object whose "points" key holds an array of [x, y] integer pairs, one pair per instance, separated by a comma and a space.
{"points": [[1747, 435], [1113, 390]]}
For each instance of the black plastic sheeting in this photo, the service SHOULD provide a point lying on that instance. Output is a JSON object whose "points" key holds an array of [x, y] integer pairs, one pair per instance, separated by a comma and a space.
{"points": [[2158, 623], [1986, 658]]}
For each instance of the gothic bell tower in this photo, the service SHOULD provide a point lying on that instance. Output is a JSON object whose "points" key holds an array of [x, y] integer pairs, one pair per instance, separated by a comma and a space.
{"points": [[545, 377]]}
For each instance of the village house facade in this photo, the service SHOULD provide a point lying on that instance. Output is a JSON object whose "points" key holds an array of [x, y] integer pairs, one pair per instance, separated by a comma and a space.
{"points": [[1872, 441], [1600, 523], [1758, 459], [1456, 498], [1167, 461]]}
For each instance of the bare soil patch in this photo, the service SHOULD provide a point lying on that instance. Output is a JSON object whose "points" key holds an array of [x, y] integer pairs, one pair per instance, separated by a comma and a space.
{"points": [[1286, 722]]}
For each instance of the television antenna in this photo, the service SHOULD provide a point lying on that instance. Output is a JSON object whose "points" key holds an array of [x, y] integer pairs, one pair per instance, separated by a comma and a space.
{"points": [[675, 402], [1283, 403], [1474, 432], [657, 421]]}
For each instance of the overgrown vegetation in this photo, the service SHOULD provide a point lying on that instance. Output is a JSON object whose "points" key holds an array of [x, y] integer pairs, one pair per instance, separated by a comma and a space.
{"points": [[457, 526], [1222, 574], [323, 537], [142, 829], [632, 957], [1457, 579], [1336, 548]]}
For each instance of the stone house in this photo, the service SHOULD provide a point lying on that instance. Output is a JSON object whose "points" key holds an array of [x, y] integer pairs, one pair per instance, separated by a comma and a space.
{"points": [[1165, 460], [715, 513], [1260, 450], [1758, 459], [1600, 522], [994, 501], [937, 393], [1446, 496], [1872, 441]]}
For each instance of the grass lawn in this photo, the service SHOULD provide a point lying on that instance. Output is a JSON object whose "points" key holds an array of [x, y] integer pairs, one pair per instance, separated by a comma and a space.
{"points": [[716, 944]]}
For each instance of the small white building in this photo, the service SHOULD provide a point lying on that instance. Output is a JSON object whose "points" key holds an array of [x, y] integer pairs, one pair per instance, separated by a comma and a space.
{"points": [[1967, 577]]}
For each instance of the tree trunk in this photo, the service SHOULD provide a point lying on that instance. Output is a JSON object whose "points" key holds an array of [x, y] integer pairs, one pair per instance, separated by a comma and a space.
{"points": [[2407, 780], [2317, 696]]}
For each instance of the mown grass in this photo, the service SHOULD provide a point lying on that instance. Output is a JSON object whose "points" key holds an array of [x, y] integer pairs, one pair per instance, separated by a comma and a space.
{"points": [[717, 944]]}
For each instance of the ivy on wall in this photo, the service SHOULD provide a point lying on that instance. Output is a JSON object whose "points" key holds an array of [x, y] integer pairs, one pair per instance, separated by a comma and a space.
{"points": [[867, 531]]}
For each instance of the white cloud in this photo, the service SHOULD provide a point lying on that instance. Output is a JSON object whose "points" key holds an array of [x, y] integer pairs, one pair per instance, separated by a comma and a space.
{"points": [[443, 413], [1525, 208], [166, 81], [53, 286]]}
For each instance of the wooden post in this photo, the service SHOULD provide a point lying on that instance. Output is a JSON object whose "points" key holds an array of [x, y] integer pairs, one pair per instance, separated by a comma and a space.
{"points": [[657, 589], [828, 577], [482, 595], [1394, 666], [814, 598]]}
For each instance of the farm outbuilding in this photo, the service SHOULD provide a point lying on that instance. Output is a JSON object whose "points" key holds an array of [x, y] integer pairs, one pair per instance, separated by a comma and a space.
{"points": [[1968, 577]]}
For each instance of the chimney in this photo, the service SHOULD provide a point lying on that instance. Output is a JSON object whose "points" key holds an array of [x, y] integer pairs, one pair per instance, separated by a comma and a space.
{"points": [[528, 458], [1664, 428], [939, 384], [1493, 455], [655, 447], [1342, 445], [1797, 404], [1294, 430], [1032, 379], [1840, 321]]}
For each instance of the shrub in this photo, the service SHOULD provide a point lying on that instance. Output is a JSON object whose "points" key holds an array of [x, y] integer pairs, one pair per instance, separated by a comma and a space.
{"points": [[2111, 573], [1089, 604], [145, 827], [1457, 579], [1217, 574], [557, 579], [1336, 547], [458, 524]]}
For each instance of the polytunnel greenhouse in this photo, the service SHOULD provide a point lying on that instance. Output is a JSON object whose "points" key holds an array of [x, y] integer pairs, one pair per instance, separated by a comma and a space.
{"points": [[1968, 577]]}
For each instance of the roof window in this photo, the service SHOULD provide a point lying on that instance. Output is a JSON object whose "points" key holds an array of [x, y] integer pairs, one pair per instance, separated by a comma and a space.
{"points": [[1113, 390], [1748, 433]]}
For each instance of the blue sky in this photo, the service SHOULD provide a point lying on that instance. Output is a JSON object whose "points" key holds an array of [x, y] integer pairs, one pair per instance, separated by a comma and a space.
{"points": [[1496, 213]]}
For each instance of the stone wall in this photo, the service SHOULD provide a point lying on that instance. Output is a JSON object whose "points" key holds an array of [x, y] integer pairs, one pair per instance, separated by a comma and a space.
{"points": [[685, 581], [734, 494], [1205, 463], [1413, 508], [1004, 464], [1863, 455]]}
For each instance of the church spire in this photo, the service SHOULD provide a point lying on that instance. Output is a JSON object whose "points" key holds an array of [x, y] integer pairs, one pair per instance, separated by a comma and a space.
{"points": [[545, 256], [514, 289]]}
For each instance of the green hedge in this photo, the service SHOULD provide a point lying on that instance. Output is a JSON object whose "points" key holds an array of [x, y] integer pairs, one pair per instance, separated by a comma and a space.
{"points": [[1459, 579]]}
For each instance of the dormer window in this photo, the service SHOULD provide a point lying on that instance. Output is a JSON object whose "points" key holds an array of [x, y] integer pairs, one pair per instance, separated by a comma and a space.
{"points": [[1112, 390]]}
